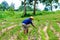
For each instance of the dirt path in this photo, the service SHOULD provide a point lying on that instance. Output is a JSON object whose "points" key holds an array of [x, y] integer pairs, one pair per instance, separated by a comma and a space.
{"points": [[58, 24], [45, 31], [14, 37], [33, 37], [3, 23], [56, 33], [7, 29], [39, 33]]}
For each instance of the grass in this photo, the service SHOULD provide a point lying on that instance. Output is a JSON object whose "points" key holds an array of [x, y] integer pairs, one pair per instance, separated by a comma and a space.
{"points": [[52, 36], [50, 32], [42, 35], [39, 19], [56, 27], [6, 25], [7, 35]]}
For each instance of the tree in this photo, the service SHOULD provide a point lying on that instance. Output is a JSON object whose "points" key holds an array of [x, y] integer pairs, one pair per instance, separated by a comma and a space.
{"points": [[29, 2], [24, 7], [34, 7], [5, 5], [26, 4], [56, 1], [1, 6], [48, 2], [11, 7]]}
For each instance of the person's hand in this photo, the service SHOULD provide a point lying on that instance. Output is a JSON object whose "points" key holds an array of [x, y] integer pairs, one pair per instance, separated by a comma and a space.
{"points": [[34, 27]]}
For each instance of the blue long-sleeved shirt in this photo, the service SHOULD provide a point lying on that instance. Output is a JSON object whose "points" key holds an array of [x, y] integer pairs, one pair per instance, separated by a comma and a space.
{"points": [[27, 21]]}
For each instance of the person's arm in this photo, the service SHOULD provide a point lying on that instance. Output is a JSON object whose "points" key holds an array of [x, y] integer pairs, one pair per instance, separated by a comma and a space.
{"points": [[32, 24]]}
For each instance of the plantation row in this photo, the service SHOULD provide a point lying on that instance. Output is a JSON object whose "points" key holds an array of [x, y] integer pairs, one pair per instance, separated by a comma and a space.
{"points": [[42, 32]]}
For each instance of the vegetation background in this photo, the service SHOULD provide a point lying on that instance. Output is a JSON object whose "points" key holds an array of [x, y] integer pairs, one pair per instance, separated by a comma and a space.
{"points": [[47, 22]]}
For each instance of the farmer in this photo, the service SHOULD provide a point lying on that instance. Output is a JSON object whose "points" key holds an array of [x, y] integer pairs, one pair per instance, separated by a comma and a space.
{"points": [[26, 23]]}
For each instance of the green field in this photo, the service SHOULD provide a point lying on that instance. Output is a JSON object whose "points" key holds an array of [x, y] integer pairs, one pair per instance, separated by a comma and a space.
{"points": [[47, 26]]}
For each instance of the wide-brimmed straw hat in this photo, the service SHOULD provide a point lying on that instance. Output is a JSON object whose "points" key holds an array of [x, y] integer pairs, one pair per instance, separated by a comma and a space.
{"points": [[31, 17]]}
